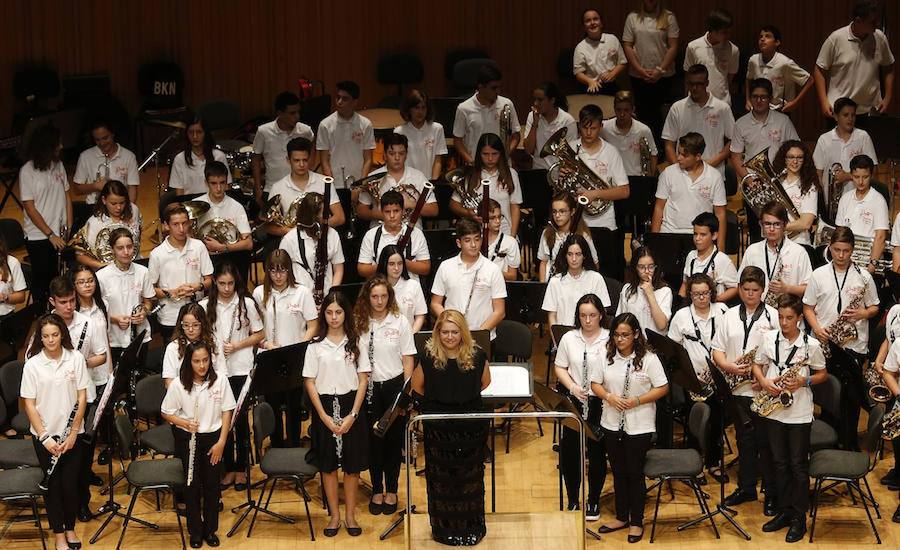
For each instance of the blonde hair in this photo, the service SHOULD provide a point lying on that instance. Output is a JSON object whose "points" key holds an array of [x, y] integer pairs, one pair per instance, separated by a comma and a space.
{"points": [[435, 348], [662, 15]]}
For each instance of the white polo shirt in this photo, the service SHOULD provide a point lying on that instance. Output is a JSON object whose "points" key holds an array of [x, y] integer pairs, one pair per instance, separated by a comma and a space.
{"points": [[474, 119], [578, 357], [804, 347], [686, 198], [385, 343], [807, 203], [100, 326], [594, 57], [410, 177], [545, 254], [369, 251], [228, 209], [642, 418], [170, 268], [793, 259], [716, 264], [639, 306], [47, 188], [304, 261], [346, 140], [97, 223], [722, 60], [502, 195], [863, 216], [172, 359], [853, 66], [410, 299], [335, 373], [122, 291], [54, 386], [286, 313], [713, 121], [14, 282], [122, 166], [288, 190], [504, 251], [482, 281], [892, 324], [895, 231], [650, 42], [271, 142], [783, 72], [752, 136], [892, 361], [425, 144], [831, 149], [736, 337], [94, 343], [546, 129], [822, 293], [210, 401], [191, 178], [230, 328], [564, 291], [628, 143], [606, 163], [696, 332]]}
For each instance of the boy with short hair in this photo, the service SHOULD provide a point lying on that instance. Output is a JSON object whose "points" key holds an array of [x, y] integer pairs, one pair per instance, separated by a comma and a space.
{"points": [[480, 114], [864, 209], [271, 140], [783, 72], [837, 147], [625, 134], [717, 53], [759, 130], [346, 139], [390, 231], [122, 165], [707, 259]]}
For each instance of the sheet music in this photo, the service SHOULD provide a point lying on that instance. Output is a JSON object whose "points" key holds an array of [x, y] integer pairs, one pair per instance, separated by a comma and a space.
{"points": [[508, 381], [107, 391]]}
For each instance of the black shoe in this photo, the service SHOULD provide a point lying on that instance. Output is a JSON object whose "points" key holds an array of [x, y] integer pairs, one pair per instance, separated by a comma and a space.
{"points": [[76, 545], [770, 508], [592, 511], [890, 477], [605, 529], [718, 476], [797, 530], [354, 531], [739, 496], [389, 509], [701, 480], [103, 457], [212, 540], [240, 487], [196, 543], [572, 506], [376, 508], [332, 531], [636, 538], [777, 523], [896, 517], [96, 480], [84, 514]]}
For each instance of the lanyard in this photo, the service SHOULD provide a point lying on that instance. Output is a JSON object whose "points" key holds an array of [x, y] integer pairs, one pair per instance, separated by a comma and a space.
{"points": [[742, 312], [770, 270], [712, 261], [787, 362], [496, 253], [840, 287], [698, 336]]}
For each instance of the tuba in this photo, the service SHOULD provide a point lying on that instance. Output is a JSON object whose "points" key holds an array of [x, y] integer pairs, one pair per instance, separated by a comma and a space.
{"points": [[762, 185], [220, 229], [470, 198], [579, 176], [505, 125]]}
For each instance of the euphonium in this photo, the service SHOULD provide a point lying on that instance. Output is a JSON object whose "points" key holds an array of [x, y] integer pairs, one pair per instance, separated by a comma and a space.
{"points": [[220, 229], [764, 403], [877, 391], [762, 185], [737, 380], [569, 173], [470, 198]]}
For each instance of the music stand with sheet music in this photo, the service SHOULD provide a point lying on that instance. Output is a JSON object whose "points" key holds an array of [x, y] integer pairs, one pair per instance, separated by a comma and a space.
{"points": [[524, 300], [275, 370]]}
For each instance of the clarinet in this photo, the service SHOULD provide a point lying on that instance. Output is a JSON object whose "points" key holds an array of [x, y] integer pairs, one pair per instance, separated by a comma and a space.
{"points": [[336, 418], [370, 389], [322, 248], [471, 292], [192, 446], [584, 384], [54, 460], [274, 343], [625, 396]]}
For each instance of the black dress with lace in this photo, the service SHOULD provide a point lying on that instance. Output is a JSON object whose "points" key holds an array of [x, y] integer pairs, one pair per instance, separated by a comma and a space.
{"points": [[454, 451]]}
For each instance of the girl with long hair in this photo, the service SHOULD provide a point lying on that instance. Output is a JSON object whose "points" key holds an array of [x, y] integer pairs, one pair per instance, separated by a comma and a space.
{"points": [[113, 210], [407, 291], [192, 326], [645, 294], [801, 183], [186, 176], [563, 210], [576, 275]]}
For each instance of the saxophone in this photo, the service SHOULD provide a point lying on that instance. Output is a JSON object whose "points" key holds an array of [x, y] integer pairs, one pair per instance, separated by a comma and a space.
{"points": [[890, 424], [842, 330], [764, 403], [877, 391], [737, 380], [644, 147], [707, 385], [772, 297]]}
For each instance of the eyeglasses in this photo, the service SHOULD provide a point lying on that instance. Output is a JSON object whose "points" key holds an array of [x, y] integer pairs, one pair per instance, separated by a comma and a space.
{"points": [[704, 294], [622, 335], [84, 282], [190, 326], [646, 267], [772, 225], [277, 270], [756, 97]]}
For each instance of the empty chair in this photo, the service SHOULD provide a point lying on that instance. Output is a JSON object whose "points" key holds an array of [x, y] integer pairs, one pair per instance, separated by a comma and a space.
{"points": [[15, 453], [149, 395], [21, 484], [513, 342], [10, 381], [828, 397]]}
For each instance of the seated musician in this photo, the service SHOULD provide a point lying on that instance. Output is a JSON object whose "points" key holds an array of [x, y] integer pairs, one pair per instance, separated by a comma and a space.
{"points": [[836, 148], [733, 349], [480, 114], [801, 185], [188, 173], [788, 360], [839, 299], [300, 181], [503, 249], [686, 188], [626, 133], [222, 207], [390, 231], [302, 243], [576, 275], [406, 180], [864, 210], [114, 209], [427, 144], [707, 259], [345, 139], [564, 214], [548, 114]]}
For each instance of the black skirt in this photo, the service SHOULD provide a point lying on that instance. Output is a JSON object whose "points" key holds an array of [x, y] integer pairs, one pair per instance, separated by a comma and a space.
{"points": [[354, 445]]}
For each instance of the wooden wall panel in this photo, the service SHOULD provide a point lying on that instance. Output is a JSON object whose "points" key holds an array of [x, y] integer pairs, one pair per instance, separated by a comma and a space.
{"points": [[248, 51]]}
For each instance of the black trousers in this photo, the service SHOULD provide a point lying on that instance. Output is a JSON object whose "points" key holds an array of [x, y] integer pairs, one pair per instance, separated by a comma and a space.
{"points": [[755, 458], [596, 465], [61, 498], [627, 455], [385, 453], [291, 403], [847, 367], [88, 446], [201, 497], [44, 267], [166, 332], [790, 459], [650, 100], [237, 449]]}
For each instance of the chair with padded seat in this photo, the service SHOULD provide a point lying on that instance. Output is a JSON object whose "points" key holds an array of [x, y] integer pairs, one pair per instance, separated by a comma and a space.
{"points": [[10, 382], [15, 453], [22, 484], [465, 75], [149, 394], [513, 343]]}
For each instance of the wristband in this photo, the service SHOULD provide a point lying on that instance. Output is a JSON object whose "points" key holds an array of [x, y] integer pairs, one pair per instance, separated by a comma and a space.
{"points": [[44, 437], [808, 381], [638, 400], [354, 414]]}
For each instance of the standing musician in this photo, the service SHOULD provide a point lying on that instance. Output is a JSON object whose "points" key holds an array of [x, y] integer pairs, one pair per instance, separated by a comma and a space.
{"points": [[481, 114], [645, 294], [389, 232], [715, 51], [630, 379], [270, 143], [236, 319], [336, 373], [598, 59], [302, 243], [801, 185], [47, 204], [733, 349], [503, 249], [107, 160], [783, 72], [492, 163], [223, 207], [289, 316], [760, 129], [406, 180], [838, 146], [407, 291], [193, 327], [199, 402], [631, 137], [779, 355], [114, 209], [345, 139], [427, 144], [386, 338], [890, 376], [579, 355], [54, 390], [470, 283], [564, 213], [188, 174], [180, 267], [576, 275], [864, 210], [707, 259], [548, 114], [842, 297]]}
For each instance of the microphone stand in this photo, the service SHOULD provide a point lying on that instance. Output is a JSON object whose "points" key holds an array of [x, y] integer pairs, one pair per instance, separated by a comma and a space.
{"points": [[154, 157]]}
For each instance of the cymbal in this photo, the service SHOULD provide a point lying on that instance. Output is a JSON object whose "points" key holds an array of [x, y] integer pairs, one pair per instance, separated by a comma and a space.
{"points": [[196, 209], [170, 123]]}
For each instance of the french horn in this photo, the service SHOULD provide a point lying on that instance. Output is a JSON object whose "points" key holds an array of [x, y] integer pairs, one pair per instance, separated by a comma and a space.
{"points": [[100, 249], [220, 229], [470, 198]]}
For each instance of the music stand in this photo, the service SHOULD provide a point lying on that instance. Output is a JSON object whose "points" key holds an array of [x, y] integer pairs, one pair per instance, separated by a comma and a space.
{"points": [[670, 251], [529, 297], [349, 290], [275, 370], [673, 352]]}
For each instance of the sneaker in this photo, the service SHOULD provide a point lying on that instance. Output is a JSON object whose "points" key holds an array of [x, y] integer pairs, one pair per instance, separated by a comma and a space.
{"points": [[592, 511], [572, 506]]}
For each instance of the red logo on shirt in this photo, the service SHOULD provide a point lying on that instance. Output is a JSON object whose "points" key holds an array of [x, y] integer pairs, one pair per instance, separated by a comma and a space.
{"points": [[60, 177], [295, 309], [121, 172], [600, 168], [867, 216], [705, 191], [357, 136], [70, 374], [429, 143], [192, 263], [775, 135], [712, 120], [391, 334]]}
